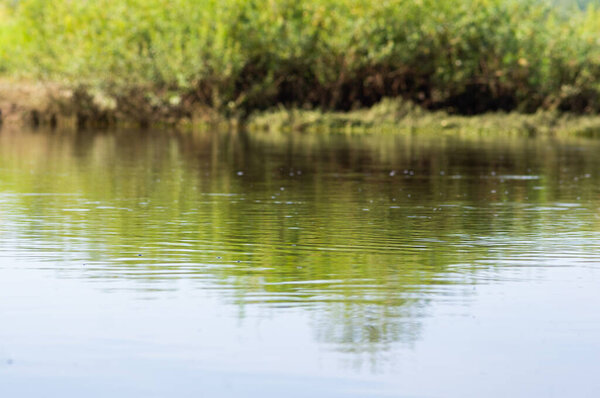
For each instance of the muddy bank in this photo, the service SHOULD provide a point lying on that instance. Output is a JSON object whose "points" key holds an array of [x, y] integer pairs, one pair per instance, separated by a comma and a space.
{"points": [[27, 103], [55, 106], [45, 104]]}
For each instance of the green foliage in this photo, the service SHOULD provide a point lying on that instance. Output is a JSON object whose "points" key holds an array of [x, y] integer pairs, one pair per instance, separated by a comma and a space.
{"points": [[241, 55]]}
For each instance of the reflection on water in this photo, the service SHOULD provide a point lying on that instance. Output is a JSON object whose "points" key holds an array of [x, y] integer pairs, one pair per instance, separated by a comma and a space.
{"points": [[363, 235]]}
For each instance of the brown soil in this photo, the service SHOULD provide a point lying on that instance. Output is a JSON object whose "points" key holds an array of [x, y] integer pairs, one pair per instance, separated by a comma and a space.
{"points": [[24, 103], [50, 104]]}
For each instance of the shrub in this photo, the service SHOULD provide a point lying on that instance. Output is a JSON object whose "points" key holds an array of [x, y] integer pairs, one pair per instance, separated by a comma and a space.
{"points": [[241, 55]]}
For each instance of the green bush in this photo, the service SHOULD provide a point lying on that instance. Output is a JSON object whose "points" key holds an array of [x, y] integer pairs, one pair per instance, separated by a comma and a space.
{"points": [[241, 55]]}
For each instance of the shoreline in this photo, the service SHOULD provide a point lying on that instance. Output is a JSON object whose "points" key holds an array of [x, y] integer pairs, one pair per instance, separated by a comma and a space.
{"points": [[50, 105]]}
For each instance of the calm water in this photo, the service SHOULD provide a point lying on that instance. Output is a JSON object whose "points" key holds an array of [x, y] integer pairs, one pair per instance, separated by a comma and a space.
{"points": [[226, 265]]}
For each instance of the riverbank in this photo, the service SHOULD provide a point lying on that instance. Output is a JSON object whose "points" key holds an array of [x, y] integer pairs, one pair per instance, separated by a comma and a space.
{"points": [[29, 104], [155, 61], [46, 104], [26, 103], [392, 115]]}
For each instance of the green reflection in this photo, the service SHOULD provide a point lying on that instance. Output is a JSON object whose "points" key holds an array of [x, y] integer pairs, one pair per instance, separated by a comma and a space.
{"points": [[362, 232]]}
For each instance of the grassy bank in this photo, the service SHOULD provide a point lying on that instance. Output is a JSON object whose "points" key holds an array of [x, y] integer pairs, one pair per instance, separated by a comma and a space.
{"points": [[170, 60], [394, 115], [51, 105]]}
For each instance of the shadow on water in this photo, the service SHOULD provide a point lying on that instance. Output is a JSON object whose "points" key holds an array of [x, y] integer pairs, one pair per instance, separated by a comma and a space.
{"points": [[363, 232]]}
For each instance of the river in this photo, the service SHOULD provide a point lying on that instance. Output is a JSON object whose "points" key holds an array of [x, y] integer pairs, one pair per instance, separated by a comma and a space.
{"points": [[159, 263]]}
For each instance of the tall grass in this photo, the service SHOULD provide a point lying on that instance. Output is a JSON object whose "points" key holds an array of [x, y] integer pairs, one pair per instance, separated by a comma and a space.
{"points": [[466, 56]]}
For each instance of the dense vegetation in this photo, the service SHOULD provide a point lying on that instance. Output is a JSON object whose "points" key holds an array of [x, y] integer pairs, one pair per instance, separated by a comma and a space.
{"points": [[569, 4], [144, 57]]}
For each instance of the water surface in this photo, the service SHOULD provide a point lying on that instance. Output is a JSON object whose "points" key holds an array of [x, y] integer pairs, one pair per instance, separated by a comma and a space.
{"points": [[226, 264]]}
